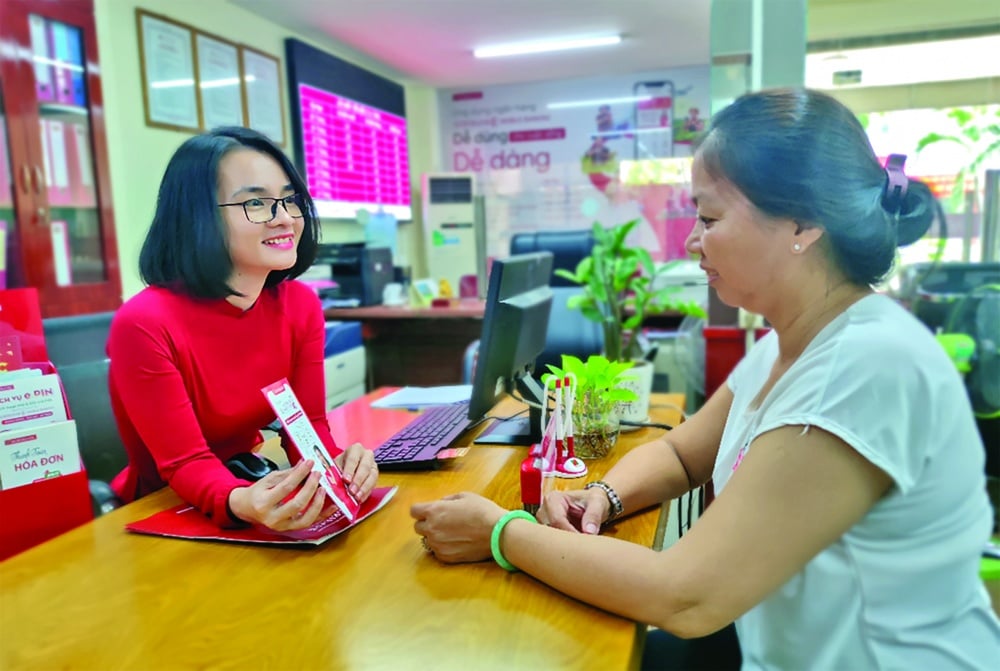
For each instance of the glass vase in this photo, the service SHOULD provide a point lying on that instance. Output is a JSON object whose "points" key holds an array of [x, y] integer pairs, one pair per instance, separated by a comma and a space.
{"points": [[595, 431]]}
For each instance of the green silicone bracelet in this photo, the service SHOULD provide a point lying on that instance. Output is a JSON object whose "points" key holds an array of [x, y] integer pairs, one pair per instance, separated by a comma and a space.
{"points": [[498, 529]]}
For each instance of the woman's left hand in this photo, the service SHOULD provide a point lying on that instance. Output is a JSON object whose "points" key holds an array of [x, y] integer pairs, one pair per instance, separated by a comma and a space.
{"points": [[457, 528], [359, 469]]}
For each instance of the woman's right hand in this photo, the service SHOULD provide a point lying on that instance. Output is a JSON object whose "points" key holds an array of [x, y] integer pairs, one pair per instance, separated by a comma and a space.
{"points": [[581, 510], [282, 500]]}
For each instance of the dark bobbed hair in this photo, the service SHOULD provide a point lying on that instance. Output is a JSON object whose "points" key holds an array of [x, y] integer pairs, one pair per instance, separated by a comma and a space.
{"points": [[800, 154], [186, 248]]}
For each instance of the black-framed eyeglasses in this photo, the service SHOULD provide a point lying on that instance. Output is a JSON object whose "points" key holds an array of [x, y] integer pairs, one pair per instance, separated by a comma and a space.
{"points": [[262, 209]]}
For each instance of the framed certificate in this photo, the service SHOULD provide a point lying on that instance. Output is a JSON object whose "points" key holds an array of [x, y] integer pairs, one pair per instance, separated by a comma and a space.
{"points": [[262, 93], [219, 81], [166, 56]]}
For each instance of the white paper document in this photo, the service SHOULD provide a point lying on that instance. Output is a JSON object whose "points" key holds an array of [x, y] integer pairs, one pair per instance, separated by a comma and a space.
{"points": [[421, 397]]}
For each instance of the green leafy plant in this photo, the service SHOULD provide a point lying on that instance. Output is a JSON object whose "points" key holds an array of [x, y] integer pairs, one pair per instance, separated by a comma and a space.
{"points": [[977, 130], [597, 379], [618, 293], [597, 390]]}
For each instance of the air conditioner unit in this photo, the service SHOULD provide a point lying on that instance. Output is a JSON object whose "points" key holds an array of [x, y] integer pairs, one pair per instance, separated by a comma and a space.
{"points": [[452, 229]]}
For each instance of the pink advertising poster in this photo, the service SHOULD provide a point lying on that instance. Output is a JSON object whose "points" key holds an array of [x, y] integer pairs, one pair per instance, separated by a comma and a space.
{"points": [[564, 154]]}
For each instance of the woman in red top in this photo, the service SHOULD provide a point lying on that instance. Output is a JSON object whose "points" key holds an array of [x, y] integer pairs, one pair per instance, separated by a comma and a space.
{"points": [[221, 319]]}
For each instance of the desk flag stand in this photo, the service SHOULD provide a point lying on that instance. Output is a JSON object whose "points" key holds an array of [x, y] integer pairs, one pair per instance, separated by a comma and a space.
{"points": [[554, 456]]}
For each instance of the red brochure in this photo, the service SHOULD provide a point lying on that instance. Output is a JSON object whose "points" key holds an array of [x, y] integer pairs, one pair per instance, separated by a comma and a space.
{"points": [[300, 431], [184, 521]]}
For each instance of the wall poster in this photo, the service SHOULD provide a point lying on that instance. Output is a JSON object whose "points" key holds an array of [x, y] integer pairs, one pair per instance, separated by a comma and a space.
{"points": [[564, 154]]}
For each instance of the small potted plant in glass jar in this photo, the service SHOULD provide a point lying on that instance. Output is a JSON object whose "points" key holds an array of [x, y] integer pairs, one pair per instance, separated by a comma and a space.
{"points": [[597, 384]]}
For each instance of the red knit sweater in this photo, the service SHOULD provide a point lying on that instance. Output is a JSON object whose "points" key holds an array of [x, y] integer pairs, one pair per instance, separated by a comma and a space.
{"points": [[185, 381]]}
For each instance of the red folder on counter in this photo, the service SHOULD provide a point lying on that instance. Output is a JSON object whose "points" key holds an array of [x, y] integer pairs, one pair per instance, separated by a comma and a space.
{"points": [[184, 521]]}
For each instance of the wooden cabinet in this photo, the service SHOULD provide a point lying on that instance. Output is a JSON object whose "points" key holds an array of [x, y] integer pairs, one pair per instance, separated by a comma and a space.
{"points": [[55, 195]]}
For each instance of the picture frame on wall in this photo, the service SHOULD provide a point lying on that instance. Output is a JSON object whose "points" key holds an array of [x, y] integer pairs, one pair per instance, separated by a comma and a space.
{"points": [[169, 75], [262, 93], [219, 82]]}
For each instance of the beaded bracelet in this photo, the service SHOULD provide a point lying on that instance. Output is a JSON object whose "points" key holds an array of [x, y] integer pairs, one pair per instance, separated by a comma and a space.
{"points": [[616, 503], [498, 529]]}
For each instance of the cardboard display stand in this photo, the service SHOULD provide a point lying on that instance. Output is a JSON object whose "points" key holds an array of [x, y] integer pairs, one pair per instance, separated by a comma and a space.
{"points": [[36, 512]]}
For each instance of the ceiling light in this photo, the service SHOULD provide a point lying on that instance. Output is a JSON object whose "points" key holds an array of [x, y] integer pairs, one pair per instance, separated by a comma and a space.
{"points": [[518, 48]]}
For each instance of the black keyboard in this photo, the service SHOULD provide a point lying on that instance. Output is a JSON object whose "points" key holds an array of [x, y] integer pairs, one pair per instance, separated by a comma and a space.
{"points": [[415, 446]]}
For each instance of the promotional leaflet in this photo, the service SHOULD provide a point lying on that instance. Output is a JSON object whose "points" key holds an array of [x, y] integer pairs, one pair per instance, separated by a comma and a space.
{"points": [[31, 455], [30, 401], [300, 431]]}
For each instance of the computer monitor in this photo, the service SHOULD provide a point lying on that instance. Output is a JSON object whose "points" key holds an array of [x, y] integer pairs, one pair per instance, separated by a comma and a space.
{"points": [[518, 303]]}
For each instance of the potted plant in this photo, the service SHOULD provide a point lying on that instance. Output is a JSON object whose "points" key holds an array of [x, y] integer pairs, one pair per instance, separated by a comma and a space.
{"points": [[976, 130], [619, 292], [597, 389]]}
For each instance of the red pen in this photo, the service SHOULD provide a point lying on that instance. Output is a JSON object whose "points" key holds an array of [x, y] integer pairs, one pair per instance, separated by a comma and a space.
{"points": [[557, 416], [570, 400]]}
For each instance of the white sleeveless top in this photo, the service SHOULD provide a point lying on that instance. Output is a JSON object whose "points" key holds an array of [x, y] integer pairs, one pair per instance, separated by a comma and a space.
{"points": [[900, 589]]}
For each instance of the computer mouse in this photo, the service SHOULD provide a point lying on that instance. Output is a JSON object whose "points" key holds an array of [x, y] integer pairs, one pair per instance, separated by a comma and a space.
{"points": [[250, 466]]}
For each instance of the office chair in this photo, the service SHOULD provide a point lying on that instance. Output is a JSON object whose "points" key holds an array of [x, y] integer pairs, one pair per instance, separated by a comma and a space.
{"points": [[76, 347], [569, 332], [567, 247], [101, 448]]}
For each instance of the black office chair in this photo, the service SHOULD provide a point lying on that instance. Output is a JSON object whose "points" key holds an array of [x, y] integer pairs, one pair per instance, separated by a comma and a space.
{"points": [[569, 332], [567, 247], [101, 448], [76, 347]]}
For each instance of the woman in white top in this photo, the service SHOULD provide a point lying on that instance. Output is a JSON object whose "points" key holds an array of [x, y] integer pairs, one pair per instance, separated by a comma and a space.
{"points": [[851, 507]]}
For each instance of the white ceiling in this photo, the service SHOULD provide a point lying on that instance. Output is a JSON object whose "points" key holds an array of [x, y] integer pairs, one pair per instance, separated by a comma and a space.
{"points": [[431, 41]]}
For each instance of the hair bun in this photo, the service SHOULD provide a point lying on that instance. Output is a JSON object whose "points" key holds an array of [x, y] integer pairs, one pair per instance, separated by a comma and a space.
{"points": [[916, 213]]}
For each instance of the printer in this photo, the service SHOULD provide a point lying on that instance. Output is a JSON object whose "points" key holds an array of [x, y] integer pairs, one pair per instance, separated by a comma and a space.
{"points": [[360, 272]]}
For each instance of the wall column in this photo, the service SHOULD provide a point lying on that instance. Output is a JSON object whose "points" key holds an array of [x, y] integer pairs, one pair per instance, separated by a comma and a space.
{"points": [[754, 44]]}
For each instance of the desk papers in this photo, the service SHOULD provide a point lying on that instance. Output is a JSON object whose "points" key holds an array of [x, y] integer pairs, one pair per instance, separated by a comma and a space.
{"points": [[184, 521], [422, 397]]}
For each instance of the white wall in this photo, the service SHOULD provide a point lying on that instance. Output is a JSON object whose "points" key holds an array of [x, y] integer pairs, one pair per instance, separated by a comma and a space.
{"points": [[138, 154]]}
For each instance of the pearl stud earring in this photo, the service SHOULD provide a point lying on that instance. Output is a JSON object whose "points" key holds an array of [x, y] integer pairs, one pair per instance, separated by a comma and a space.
{"points": [[797, 247]]}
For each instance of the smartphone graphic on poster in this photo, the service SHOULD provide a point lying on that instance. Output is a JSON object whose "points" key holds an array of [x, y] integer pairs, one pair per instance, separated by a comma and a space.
{"points": [[654, 119]]}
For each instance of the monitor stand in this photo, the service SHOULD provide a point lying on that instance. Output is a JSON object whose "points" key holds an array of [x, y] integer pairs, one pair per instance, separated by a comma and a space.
{"points": [[519, 430]]}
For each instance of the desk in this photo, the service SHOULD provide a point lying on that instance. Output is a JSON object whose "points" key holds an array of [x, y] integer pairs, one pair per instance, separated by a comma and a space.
{"points": [[100, 598], [417, 346]]}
